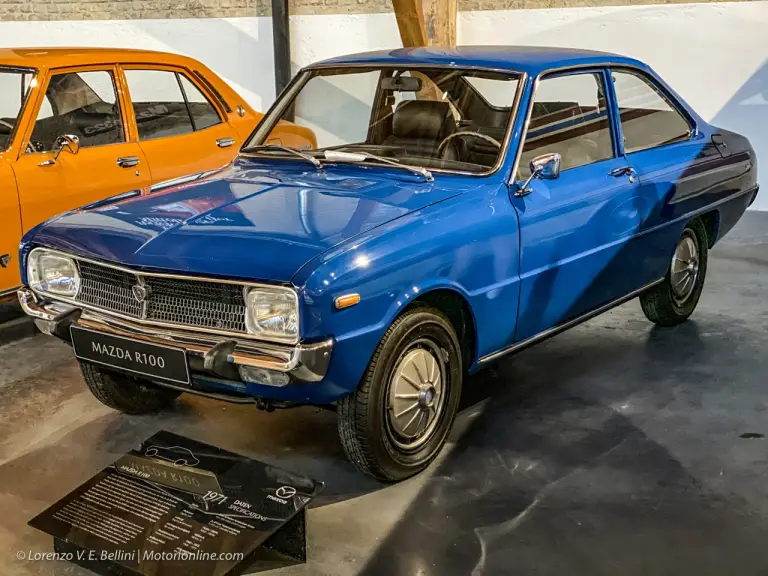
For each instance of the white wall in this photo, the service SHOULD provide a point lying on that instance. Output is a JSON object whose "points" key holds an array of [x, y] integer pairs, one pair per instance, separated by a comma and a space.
{"points": [[713, 54]]}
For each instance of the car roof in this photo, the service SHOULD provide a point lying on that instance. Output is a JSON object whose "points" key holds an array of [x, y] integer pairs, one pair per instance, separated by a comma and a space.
{"points": [[72, 56], [530, 59]]}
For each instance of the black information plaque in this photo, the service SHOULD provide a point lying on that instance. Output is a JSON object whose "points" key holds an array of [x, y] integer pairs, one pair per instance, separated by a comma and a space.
{"points": [[176, 506]]}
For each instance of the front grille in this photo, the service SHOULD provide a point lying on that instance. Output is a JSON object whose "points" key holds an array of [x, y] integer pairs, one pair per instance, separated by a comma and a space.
{"points": [[204, 304], [109, 289], [193, 303]]}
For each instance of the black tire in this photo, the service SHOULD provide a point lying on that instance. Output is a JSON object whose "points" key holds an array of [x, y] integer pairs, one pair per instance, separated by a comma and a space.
{"points": [[660, 303], [364, 424], [126, 393]]}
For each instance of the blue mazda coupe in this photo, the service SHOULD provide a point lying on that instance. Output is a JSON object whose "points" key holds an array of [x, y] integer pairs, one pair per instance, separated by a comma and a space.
{"points": [[398, 220]]}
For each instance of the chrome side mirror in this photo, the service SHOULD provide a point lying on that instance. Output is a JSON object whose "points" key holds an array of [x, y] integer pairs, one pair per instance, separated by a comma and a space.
{"points": [[545, 167], [68, 141]]}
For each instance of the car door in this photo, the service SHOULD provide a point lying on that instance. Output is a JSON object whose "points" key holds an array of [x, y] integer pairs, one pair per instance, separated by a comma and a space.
{"points": [[672, 163], [573, 229], [180, 129], [83, 103]]}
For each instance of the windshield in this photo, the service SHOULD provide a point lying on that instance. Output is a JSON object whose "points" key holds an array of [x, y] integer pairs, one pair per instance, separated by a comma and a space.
{"points": [[443, 118], [14, 89]]}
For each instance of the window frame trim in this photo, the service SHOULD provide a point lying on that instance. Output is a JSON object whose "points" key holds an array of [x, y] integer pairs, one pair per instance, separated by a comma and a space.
{"points": [[176, 71], [669, 98], [110, 69], [601, 70]]}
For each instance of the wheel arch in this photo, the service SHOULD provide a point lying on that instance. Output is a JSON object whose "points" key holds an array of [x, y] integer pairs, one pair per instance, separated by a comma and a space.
{"points": [[456, 307], [711, 221]]}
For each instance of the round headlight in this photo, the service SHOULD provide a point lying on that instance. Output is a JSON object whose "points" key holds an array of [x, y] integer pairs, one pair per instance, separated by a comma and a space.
{"points": [[52, 273], [272, 313]]}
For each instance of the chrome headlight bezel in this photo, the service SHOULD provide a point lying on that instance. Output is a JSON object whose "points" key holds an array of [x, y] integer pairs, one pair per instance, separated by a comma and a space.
{"points": [[286, 296], [36, 278]]}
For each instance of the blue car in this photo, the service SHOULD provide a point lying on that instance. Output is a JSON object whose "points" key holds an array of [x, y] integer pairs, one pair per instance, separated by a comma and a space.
{"points": [[398, 220]]}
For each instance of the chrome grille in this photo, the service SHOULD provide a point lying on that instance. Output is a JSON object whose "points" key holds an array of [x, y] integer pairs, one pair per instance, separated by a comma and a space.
{"points": [[193, 303], [204, 304], [109, 289]]}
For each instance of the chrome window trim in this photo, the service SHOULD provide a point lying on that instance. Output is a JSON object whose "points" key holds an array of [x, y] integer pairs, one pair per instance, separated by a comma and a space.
{"points": [[301, 77], [600, 65], [245, 284]]}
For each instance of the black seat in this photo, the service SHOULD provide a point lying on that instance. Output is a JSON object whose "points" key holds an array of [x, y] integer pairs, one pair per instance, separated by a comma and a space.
{"points": [[418, 126]]}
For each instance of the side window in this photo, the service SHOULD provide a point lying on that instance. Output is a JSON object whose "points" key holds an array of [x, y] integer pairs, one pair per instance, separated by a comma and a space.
{"points": [[569, 117], [648, 118], [203, 112], [83, 104], [158, 103]]}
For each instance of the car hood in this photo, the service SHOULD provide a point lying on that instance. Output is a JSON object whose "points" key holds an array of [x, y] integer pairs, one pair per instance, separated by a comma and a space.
{"points": [[253, 221]]}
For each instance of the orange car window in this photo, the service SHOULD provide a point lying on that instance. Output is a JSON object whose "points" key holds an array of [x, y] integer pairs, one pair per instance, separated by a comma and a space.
{"points": [[213, 89], [167, 104], [14, 89], [82, 104], [203, 113]]}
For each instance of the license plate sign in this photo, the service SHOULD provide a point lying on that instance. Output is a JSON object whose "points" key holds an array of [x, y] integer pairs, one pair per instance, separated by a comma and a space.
{"points": [[141, 358]]}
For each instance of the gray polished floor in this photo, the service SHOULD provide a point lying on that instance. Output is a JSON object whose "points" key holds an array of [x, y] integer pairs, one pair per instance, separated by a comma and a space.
{"points": [[616, 448]]}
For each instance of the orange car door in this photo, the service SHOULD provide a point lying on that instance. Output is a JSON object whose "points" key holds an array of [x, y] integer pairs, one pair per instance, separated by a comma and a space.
{"points": [[83, 104], [10, 231], [180, 129]]}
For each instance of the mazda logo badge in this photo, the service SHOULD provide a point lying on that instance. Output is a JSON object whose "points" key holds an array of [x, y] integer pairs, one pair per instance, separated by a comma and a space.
{"points": [[140, 292], [285, 492]]}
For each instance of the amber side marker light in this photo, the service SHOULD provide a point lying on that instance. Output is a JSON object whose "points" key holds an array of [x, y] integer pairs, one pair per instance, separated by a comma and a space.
{"points": [[346, 301]]}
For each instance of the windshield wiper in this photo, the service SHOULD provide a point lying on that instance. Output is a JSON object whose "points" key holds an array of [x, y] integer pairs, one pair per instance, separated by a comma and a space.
{"points": [[277, 148], [338, 155]]}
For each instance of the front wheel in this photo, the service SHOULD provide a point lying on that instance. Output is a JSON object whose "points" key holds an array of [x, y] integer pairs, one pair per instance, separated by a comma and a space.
{"points": [[674, 299], [398, 419]]}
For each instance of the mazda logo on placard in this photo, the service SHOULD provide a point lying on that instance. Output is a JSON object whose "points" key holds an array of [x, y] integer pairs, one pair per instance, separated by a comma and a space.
{"points": [[285, 492], [140, 292]]}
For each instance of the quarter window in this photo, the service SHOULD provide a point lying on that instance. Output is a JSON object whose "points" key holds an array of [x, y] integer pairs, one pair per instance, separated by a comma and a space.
{"points": [[167, 104], [648, 118], [570, 118], [82, 104]]}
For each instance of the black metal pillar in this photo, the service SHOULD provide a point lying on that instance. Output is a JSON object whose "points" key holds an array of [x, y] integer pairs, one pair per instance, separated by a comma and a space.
{"points": [[281, 41]]}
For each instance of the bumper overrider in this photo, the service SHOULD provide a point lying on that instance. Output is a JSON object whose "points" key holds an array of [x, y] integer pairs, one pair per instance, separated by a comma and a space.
{"points": [[210, 356]]}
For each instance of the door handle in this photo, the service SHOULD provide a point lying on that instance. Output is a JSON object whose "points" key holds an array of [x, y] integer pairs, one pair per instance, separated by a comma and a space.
{"points": [[624, 171], [128, 161], [225, 142]]}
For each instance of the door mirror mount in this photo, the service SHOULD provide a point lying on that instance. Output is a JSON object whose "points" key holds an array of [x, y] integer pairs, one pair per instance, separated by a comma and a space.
{"points": [[68, 141], [544, 167]]}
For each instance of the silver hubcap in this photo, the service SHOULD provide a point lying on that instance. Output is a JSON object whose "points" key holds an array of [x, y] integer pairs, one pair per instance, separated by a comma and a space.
{"points": [[416, 396], [685, 268]]}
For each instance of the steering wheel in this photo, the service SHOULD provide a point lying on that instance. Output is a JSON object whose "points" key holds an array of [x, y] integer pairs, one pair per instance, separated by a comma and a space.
{"points": [[448, 138], [7, 124]]}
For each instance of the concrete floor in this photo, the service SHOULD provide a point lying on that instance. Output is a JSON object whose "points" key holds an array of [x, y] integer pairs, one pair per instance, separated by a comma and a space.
{"points": [[612, 449]]}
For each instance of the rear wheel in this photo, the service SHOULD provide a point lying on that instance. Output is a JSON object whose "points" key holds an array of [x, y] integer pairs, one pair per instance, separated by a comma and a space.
{"points": [[674, 299], [397, 420], [126, 393]]}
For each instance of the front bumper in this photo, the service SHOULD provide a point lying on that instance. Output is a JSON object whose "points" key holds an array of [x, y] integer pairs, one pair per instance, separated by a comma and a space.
{"points": [[207, 353]]}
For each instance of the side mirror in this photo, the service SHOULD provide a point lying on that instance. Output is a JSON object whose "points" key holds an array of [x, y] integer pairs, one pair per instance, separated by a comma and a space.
{"points": [[68, 141], [545, 167]]}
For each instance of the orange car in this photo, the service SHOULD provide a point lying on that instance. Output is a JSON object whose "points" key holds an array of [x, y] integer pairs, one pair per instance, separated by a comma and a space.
{"points": [[80, 124]]}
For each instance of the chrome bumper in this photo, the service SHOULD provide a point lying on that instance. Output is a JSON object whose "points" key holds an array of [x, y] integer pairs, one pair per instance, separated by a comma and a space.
{"points": [[303, 362]]}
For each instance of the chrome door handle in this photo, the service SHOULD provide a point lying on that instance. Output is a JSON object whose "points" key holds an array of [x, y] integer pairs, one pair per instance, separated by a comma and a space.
{"points": [[128, 161], [225, 142], [624, 171]]}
